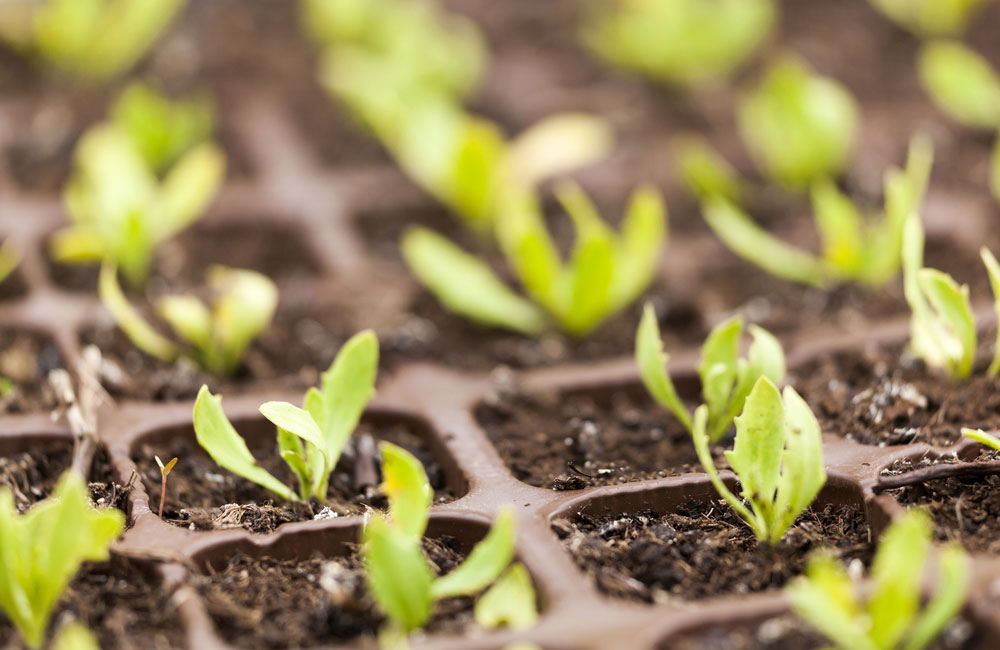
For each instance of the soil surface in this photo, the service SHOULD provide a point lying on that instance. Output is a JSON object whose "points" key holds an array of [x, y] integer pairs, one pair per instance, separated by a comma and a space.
{"points": [[13, 287], [269, 603], [121, 604], [32, 475], [201, 495], [703, 550], [964, 509], [26, 358]]}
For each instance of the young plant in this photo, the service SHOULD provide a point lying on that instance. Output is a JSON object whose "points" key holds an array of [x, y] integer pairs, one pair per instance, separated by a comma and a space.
{"points": [[10, 257], [164, 473], [679, 42], [726, 379], [854, 248], [890, 618], [961, 83], [777, 455], [400, 577], [95, 39], [930, 17], [798, 127], [41, 551], [606, 272], [310, 439], [215, 338]]}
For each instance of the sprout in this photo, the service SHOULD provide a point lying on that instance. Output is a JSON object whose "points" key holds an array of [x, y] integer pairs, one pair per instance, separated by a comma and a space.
{"points": [[400, 577], [961, 83], [726, 380], [41, 551], [606, 272], [74, 636], [164, 473], [798, 126], [97, 39], [10, 257], [890, 617], [216, 338], [682, 42], [930, 17], [777, 455], [310, 439], [855, 248]]}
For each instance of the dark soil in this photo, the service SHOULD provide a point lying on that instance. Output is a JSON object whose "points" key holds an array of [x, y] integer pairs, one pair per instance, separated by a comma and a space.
{"points": [[123, 606], [26, 358], [201, 495], [580, 440], [703, 551], [32, 475], [269, 603], [880, 396], [13, 287], [964, 509]]}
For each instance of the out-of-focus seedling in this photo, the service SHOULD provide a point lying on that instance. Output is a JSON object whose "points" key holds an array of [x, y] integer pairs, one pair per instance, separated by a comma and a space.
{"points": [[961, 83], [400, 577], [41, 551], [726, 379], [777, 455], [74, 636], [606, 272], [164, 473], [214, 338], [890, 617], [679, 42], [798, 126], [930, 17], [96, 39], [10, 257], [310, 439]]}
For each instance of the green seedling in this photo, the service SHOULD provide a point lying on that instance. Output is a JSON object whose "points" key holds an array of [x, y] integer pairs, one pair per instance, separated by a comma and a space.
{"points": [[10, 257], [41, 551], [606, 272], [310, 439], [121, 211], [726, 379], [94, 39], [854, 248], [995, 171], [401, 579], [164, 473], [74, 636], [982, 437], [930, 17], [961, 83], [797, 126], [777, 455], [678, 42], [214, 338], [890, 617]]}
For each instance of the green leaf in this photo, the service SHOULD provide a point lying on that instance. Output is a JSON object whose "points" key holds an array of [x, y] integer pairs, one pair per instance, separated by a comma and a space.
{"points": [[707, 173], [983, 437], [961, 83], [10, 257], [292, 452], [243, 309], [699, 435], [993, 269], [839, 226], [74, 636], [930, 17], [128, 319], [188, 188], [652, 362], [510, 601], [475, 171], [802, 472], [897, 571], [484, 564], [466, 286], [951, 304], [397, 573], [555, 146], [227, 448], [946, 603], [718, 365], [294, 420], [405, 483], [825, 599], [529, 249], [162, 130], [590, 275], [752, 243], [188, 316], [756, 453], [637, 253]]}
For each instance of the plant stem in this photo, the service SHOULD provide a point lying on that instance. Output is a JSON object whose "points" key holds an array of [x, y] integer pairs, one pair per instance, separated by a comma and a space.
{"points": [[163, 495]]}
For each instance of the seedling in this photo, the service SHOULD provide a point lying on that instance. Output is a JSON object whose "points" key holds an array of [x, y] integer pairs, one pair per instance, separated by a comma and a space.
{"points": [[798, 127], [607, 270], [400, 577], [777, 455], [726, 379], [10, 257], [95, 39], [890, 618], [215, 338], [120, 207], [854, 248], [41, 551], [930, 17], [310, 439], [962, 83], [74, 636], [679, 42], [164, 473]]}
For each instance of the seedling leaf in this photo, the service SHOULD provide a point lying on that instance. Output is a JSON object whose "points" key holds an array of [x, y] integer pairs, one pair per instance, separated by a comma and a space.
{"points": [[652, 361], [129, 320], [397, 573], [405, 484], [961, 83], [294, 420], [484, 564], [510, 601], [993, 270]]}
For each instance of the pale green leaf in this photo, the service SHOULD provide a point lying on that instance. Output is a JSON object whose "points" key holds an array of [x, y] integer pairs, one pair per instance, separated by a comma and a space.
{"points": [[555, 146], [188, 316], [243, 309], [961, 83], [475, 171], [74, 636], [983, 437], [825, 599], [652, 362], [699, 435], [706, 172], [10, 257], [484, 564], [931, 17], [717, 369], [637, 253], [839, 225], [161, 129], [510, 601], [130, 321], [993, 270], [590, 274], [397, 573], [188, 188], [951, 304], [946, 603], [760, 438], [529, 248], [405, 483], [802, 472], [294, 420], [897, 572]]}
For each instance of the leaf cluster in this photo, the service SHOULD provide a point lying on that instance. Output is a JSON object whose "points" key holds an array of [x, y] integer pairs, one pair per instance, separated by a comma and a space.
{"points": [[777, 455], [926, 18], [726, 379], [137, 181], [41, 551], [891, 618], [606, 271], [310, 439], [400, 577], [679, 42], [93, 39]]}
